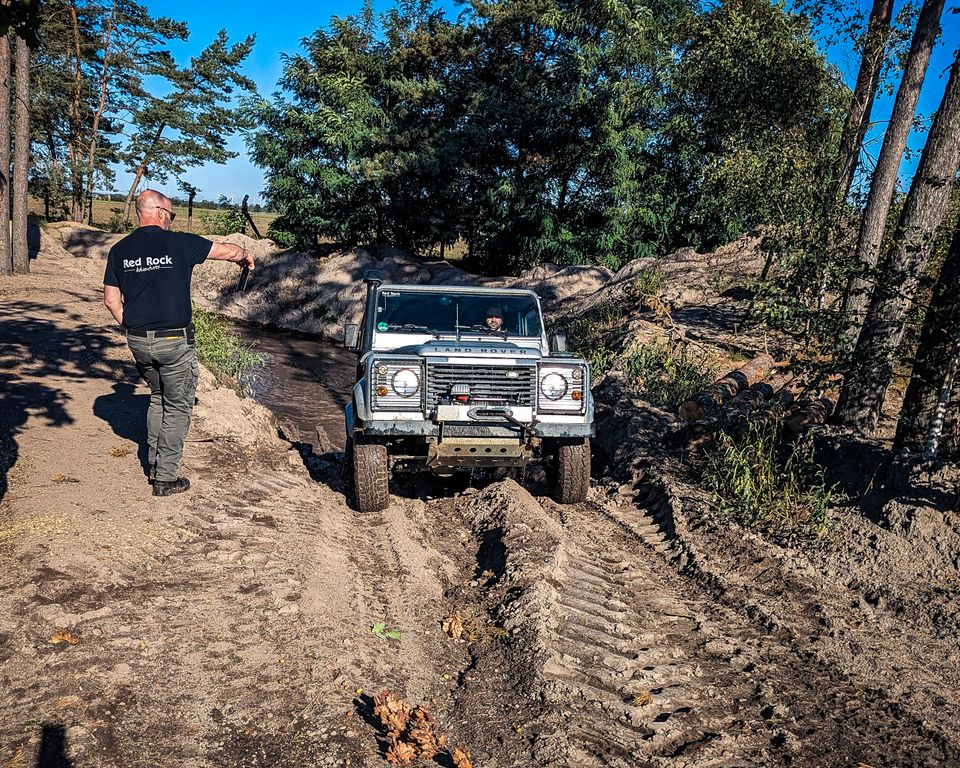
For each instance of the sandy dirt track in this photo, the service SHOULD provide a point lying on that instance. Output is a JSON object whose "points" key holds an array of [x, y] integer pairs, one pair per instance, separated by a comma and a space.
{"points": [[230, 626]]}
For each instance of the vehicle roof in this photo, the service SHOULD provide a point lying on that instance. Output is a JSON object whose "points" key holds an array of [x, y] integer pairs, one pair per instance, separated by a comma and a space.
{"points": [[465, 289]]}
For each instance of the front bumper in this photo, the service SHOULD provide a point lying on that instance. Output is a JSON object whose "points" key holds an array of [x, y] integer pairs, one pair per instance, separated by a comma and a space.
{"points": [[424, 428]]}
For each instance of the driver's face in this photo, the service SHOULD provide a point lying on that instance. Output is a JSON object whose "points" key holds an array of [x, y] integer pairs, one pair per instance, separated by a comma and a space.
{"points": [[494, 323]]}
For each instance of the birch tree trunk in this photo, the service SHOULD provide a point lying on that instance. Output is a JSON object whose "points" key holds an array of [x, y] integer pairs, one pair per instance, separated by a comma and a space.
{"points": [[938, 339], [6, 255], [21, 157], [926, 206], [860, 287]]}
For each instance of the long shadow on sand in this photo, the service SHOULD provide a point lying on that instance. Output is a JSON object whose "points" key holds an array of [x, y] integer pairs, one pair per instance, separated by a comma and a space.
{"points": [[126, 413], [37, 354]]}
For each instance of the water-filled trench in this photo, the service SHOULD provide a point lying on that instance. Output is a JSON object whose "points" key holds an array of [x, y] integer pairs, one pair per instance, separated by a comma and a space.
{"points": [[303, 380]]}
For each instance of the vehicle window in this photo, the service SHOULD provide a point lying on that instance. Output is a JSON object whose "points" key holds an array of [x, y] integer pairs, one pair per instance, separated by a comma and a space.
{"points": [[423, 312]]}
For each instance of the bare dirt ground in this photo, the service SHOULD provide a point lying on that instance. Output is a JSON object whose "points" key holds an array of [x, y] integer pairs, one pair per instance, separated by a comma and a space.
{"points": [[231, 625]]}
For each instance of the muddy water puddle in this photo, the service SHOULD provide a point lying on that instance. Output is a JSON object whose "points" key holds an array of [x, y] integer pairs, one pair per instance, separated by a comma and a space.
{"points": [[303, 380]]}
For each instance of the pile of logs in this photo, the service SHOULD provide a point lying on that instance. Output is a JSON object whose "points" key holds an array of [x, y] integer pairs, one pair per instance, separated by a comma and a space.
{"points": [[749, 394]]}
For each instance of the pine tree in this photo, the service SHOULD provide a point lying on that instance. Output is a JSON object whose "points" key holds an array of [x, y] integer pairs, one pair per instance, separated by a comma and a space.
{"points": [[21, 154], [861, 103], [860, 287], [926, 205], [6, 254], [931, 407], [191, 125]]}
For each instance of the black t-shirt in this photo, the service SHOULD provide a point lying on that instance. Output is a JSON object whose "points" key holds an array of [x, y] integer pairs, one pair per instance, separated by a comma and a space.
{"points": [[152, 268]]}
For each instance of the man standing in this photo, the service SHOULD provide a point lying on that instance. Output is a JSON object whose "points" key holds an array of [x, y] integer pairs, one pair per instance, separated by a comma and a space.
{"points": [[146, 287]]}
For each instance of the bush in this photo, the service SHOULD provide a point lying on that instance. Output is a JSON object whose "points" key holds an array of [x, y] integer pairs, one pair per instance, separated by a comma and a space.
{"points": [[222, 350], [282, 238], [117, 224], [666, 375], [587, 337], [226, 221], [761, 482]]}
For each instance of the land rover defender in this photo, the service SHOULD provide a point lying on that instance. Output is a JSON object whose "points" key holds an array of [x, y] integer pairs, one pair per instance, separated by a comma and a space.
{"points": [[457, 378]]}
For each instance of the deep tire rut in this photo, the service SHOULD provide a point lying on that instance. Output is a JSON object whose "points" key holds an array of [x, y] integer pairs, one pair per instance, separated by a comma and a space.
{"points": [[626, 662]]}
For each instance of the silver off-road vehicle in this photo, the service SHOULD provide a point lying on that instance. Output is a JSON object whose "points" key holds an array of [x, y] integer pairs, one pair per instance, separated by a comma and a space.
{"points": [[452, 378]]}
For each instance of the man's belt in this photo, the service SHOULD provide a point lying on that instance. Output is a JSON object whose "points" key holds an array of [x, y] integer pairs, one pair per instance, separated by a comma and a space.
{"points": [[169, 333]]}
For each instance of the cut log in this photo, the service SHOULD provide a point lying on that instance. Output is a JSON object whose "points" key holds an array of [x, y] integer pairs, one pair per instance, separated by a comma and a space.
{"points": [[720, 392], [810, 413]]}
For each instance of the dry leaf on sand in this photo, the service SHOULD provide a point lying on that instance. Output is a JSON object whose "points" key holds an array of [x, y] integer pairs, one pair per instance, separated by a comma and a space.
{"points": [[65, 636]]}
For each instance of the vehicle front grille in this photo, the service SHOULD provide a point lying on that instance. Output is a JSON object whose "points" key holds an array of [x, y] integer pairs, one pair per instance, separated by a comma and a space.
{"points": [[488, 384]]}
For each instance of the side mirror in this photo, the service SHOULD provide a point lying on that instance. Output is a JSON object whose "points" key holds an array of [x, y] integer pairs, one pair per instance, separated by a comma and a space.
{"points": [[351, 333], [558, 341]]}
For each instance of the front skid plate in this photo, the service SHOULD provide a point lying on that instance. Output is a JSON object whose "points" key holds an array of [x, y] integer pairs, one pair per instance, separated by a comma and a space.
{"points": [[488, 452]]}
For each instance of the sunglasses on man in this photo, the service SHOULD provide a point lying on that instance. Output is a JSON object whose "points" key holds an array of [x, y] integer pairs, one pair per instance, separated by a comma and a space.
{"points": [[170, 213]]}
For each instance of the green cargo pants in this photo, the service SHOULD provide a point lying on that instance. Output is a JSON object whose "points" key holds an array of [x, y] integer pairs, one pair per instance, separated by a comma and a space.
{"points": [[170, 367]]}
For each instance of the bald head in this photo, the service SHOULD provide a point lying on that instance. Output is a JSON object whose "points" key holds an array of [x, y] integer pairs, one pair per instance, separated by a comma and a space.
{"points": [[154, 209]]}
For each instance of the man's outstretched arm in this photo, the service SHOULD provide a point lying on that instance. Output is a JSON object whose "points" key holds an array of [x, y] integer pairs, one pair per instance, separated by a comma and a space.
{"points": [[230, 252], [113, 301]]}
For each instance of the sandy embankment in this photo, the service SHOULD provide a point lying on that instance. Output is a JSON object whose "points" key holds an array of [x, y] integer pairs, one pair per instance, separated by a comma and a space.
{"points": [[318, 295]]}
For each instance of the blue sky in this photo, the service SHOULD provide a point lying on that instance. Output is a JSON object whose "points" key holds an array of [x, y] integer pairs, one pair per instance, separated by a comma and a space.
{"points": [[281, 31]]}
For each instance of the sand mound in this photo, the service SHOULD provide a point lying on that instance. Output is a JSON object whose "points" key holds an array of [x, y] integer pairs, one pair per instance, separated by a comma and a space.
{"points": [[319, 295]]}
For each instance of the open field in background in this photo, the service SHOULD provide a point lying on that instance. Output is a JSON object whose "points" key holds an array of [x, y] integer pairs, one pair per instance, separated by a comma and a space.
{"points": [[204, 219]]}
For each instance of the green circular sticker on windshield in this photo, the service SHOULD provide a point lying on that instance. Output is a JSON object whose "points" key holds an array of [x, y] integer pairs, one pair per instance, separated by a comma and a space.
{"points": [[382, 326]]}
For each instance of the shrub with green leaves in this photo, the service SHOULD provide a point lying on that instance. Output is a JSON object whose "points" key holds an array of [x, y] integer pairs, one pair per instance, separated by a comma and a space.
{"points": [[222, 350], [763, 482], [226, 221], [667, 375], [648, 282]]}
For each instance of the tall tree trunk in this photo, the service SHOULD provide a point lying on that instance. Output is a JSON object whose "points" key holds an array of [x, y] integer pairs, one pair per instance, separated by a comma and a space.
{"points": [[938, 339], [861, 105], [949, 438], [860, 286], [21, 157], [128, 203], [6, 255], [75, 140], [926, 206], [95, 128], [141, 169]]}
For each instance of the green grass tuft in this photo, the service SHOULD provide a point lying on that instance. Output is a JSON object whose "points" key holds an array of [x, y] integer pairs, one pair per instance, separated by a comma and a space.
{"points": [[764, 483], [222, 350], [665, 375]]}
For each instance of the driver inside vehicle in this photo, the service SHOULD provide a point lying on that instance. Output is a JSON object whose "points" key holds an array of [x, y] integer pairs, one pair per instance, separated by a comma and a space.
{"points": [[493, 319]]}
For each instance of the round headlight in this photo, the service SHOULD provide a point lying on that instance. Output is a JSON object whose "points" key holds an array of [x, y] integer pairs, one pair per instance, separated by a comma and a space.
{"points": [[405, 382], [553, 386]]}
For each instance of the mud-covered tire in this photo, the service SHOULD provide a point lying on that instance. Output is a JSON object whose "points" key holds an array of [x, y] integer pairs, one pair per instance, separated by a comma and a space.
{"points": [[371, 477], [571, 472]]}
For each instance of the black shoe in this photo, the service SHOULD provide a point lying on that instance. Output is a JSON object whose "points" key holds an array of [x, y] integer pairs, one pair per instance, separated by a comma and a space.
{"points": [[152, 474], [162, 488]]}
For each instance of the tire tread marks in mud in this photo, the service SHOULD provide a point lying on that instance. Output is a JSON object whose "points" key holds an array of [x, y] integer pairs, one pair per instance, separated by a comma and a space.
{"points": [[572, 480], [371, 477]]}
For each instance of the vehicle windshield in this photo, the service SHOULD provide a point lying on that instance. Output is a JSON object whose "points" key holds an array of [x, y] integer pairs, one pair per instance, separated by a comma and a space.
{"points": [[450, 313]]}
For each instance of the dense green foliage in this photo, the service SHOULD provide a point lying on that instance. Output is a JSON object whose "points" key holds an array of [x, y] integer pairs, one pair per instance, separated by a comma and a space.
{"points": [[548, 130]]}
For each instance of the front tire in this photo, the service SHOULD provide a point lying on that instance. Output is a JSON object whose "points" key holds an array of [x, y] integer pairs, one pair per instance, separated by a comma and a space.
{"points": [[571, 475], [371, 477]]}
